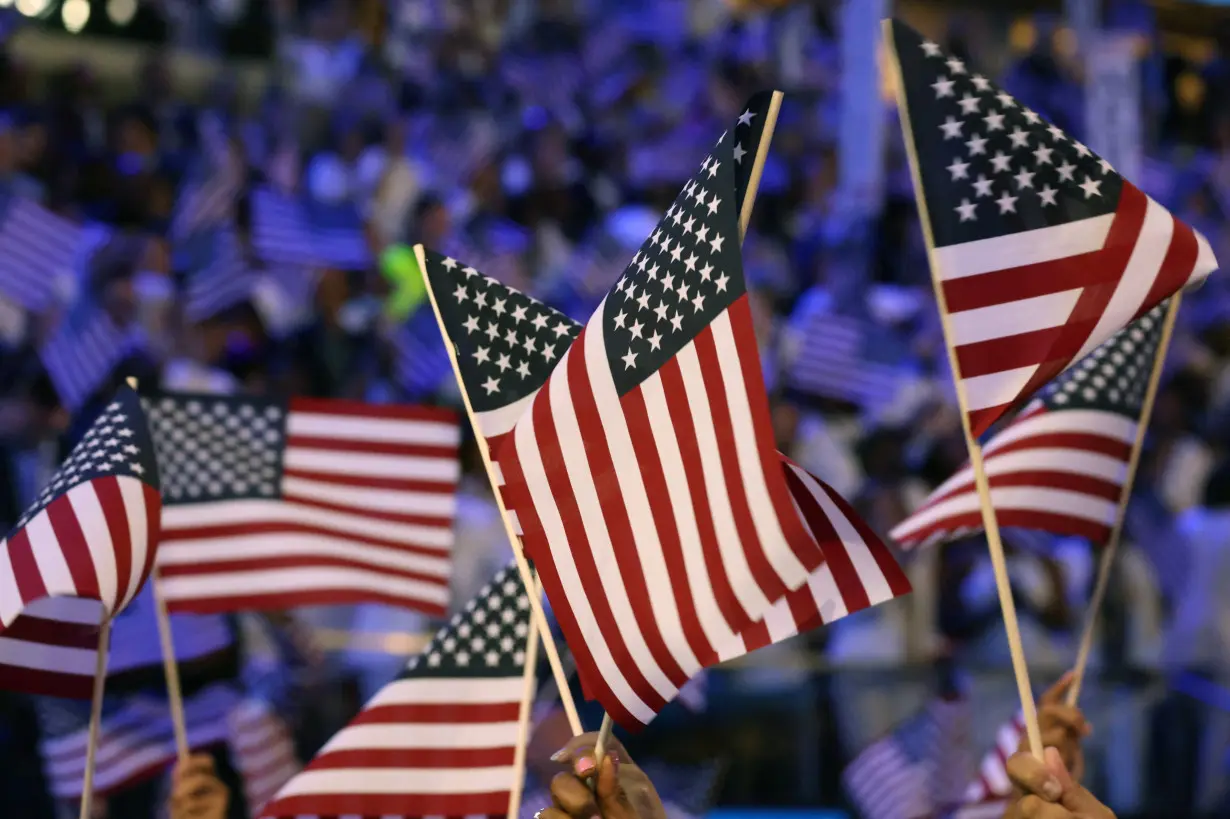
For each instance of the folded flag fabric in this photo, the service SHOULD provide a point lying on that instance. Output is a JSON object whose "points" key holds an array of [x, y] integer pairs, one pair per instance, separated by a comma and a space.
{"points": [[224, 280], [262, 751], [1061, 465], [991, 788], [136, 740], [1042, 251], [79, 555], [439, 740], [272, 504], [83, 351], [299, 232], [830, 359], [38, 252]]}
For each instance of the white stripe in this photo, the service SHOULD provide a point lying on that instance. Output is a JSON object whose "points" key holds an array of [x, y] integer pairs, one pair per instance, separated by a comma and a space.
{"points": [[1142, 271], [1031, 498], [996, 389], [1018, 249], [734, 559], [1095, 422], [561, 555], [573, 448], [43, 657], [1206, 262], [203, 552], [369, 465], [423, 736], [651, 558], [502, 419], [717, 632], [407, 502], [89, 513], [401, 781], [49, 556], [132, 492], [237, 513], [1013, 318], [773, 540], [268, 582], [1050, 459], [497, 474], [376, 429], [443, 690], [80, 610], [10, 597]]}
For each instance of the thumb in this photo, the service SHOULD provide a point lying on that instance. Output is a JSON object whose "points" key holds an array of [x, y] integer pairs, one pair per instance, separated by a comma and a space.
{"points": [[612, 800]]}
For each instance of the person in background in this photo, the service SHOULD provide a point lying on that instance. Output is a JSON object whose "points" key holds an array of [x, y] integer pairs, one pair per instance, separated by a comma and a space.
{"points": [[196, 792]]}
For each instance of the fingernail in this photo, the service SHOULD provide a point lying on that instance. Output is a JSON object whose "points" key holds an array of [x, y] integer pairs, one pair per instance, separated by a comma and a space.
{"points": [[584, 766], [560, 755], [1051, 789]]}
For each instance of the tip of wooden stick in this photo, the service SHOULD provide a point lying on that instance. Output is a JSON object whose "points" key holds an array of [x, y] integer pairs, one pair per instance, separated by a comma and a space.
{"points": [[132, 382]]}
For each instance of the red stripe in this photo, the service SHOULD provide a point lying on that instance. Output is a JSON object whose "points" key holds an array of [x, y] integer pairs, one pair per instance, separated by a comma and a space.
{"points": [[274, 601], [413, 758], [74, 546], [25, 569], [60, 633], [372, 482], [1077, 440], [762, 571], [645, 446], [1177, 266], [360, 409], [153, 527], [1041, 479], [534, 540], [22, 680], [339, 533], [461, 713], [689, 453], [838, 560], [292, 562], [796, 536], [111, 499], [393, 804], [343, 445], [1025, 281], [898, 582], [1053, 522], [443, 521], [615, 512]]}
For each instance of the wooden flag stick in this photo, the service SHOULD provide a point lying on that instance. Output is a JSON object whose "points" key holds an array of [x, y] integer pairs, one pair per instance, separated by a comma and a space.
{"points": [[96, 704], [170, 669], [527, 706], [989, 522], [745, 218], [1112, 544], [523, 566]]}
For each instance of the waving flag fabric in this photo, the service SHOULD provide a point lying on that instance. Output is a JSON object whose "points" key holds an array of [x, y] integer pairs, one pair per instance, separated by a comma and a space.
{"points": [[644, 475], [83, 351], [262, 752], [492, 326], [273, 504], [79, 554], [987, 796], [38, 251], [224, 280], [439, 740], [1060, 466], [288, 230], [1042, 251]]}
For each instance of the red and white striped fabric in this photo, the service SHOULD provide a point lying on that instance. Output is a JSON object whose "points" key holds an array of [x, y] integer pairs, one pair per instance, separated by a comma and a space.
{"points": [[1061, 466], [1041, 250], [136, 741], [262, 752], [273, 505], [79, 555], [991, 789]]}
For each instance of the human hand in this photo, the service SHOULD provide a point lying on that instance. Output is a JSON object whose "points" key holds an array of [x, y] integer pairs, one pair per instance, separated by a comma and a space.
{"points": [[1049, 790], [1063, 726], [620, 789], [196, 792]]}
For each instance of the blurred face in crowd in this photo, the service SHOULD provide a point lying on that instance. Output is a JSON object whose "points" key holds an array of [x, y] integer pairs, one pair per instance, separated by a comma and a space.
{"points": [[435, 225], [331, 294], [8, 150]]}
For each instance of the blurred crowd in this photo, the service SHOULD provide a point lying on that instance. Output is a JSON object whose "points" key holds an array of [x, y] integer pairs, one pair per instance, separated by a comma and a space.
{"points": [[539, 143]]}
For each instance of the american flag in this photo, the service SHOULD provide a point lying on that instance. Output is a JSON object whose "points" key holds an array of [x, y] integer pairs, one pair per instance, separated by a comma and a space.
{"points": [[1061, 465], [262, 752], [83, 351], [1042, 251], [644, 476], [896, 776], [987, 796], [225, 280], [273, 504], [38, 252], [80, 553], [208, 200], [439, 740], [136, 739], [497, 333], [289, 230], [830, 359]]}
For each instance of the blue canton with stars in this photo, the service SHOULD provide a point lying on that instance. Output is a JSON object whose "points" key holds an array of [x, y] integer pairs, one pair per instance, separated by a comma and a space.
{"points": [[989, 166], [486, 639], [691, 267], [1115, 376], [117, 443], [506, 343]]}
